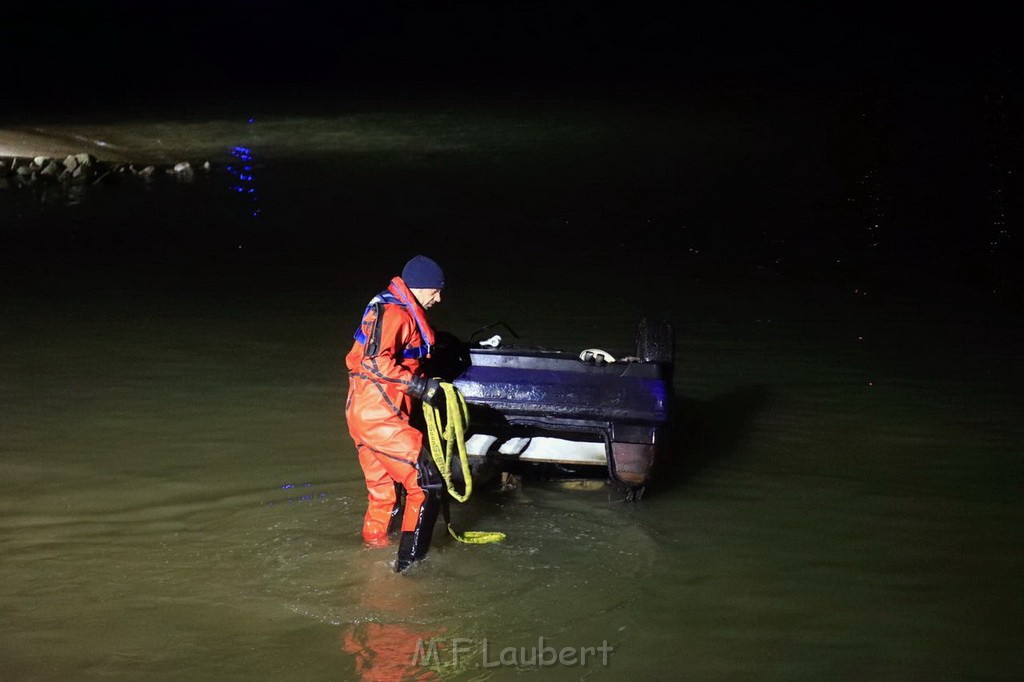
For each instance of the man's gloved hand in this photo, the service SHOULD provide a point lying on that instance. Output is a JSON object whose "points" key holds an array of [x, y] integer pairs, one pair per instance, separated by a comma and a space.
{"points": [[427, 389], [433, 395]]}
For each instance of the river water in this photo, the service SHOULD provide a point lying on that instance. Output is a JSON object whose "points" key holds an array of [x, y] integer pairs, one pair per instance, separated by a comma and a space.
{"points": [[841, 496]]}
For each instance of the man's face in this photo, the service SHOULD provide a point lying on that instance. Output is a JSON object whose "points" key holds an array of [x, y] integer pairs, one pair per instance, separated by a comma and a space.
{"points": [[427, 297]]}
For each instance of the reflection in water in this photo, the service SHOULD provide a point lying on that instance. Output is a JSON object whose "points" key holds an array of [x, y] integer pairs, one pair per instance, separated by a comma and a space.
{"points": [[243, 183], [387, 651], [244, 178], [383, 642], [304, 497]]}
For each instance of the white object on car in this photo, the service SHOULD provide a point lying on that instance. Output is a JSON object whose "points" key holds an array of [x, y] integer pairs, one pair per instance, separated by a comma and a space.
{"points": [[596, 355]]}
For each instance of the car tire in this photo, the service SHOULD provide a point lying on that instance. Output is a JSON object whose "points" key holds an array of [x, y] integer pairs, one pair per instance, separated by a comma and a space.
{"points": [[655, 341]]}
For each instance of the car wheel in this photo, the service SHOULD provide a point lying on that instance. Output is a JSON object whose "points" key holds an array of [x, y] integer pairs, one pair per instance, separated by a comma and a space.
{"points": [[655, 341]]}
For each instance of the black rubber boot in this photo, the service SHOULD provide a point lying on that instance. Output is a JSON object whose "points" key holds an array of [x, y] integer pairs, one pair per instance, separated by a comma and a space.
{"points": [[425, 527], [406, 551], [415, 543]]}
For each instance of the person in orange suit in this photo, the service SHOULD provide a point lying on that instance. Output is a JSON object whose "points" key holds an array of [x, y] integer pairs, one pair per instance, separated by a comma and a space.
{"points": [[384, 380]]}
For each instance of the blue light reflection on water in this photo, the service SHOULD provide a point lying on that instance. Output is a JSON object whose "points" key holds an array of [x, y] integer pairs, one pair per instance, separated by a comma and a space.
{"points": [[305, 497], [244, 177]]}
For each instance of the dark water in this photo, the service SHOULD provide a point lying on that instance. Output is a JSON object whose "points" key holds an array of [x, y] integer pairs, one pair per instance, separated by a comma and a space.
{"points": [[842, 497]]}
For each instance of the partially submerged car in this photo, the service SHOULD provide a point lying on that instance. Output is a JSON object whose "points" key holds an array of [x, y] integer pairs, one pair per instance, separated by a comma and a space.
{"points": [[586, 411]]}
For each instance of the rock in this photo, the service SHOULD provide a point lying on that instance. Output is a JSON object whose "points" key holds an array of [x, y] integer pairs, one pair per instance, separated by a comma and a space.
{"points": [[183, 171], [76, 169]]}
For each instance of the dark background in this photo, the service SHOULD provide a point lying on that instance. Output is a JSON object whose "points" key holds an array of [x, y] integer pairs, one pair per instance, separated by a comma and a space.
{"points": [[937, 90], [119, 54]]}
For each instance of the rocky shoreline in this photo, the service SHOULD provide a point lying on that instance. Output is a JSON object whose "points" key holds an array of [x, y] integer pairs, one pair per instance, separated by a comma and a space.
{"points": [[18, 172]]}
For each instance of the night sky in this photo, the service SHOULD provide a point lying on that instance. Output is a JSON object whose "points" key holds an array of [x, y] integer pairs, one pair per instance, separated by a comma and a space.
{"points": [[118, 52], [935, 69]]}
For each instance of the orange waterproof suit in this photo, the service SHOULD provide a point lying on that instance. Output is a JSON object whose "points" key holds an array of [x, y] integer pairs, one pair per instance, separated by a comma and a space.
{"points": [[392, 338]]}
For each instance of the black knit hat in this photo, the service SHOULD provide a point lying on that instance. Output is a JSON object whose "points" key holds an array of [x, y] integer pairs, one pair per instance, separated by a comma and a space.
{"points": [[423, 273]]}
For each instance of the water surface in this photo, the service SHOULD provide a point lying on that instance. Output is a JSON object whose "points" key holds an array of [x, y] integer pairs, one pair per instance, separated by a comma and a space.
{"points": [[840, 498]]}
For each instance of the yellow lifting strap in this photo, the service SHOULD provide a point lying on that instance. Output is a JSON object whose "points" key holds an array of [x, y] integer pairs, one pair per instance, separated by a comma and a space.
{"points": [[445, 439]]}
